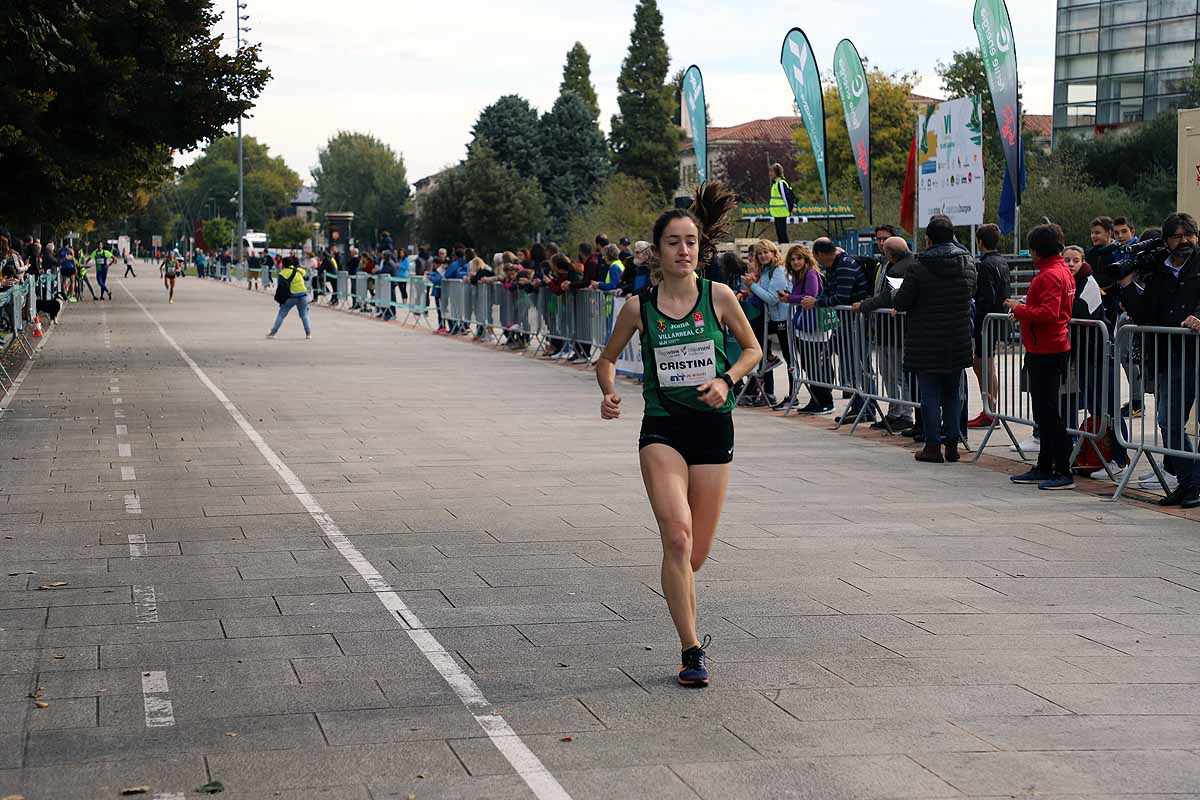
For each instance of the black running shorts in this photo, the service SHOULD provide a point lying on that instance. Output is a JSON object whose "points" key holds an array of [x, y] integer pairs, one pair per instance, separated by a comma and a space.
{"points": [[701, 438]]}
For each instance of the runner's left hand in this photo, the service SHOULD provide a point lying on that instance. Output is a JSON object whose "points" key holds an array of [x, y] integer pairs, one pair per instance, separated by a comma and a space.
{"points": [[713, 393]]}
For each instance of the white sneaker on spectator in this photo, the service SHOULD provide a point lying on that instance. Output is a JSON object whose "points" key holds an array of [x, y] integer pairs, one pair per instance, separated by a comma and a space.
{"points": [[1030, 445], [1101, 475], [1150, 481]]}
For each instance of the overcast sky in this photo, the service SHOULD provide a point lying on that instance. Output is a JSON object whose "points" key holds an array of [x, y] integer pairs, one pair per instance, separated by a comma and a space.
{"points": [[416, 74]]}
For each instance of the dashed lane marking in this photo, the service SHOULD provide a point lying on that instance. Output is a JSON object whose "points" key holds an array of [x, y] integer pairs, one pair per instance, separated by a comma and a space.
{"points": [[156, 700]]}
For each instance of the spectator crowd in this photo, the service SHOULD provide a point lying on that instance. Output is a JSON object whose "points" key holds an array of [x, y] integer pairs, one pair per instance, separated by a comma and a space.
{"points": [[801, 302]]}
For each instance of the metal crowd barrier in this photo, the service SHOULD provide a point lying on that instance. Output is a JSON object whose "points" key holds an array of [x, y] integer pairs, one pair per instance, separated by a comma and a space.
{"points": [[582, 317], [1088, 387], [17, 307], [420, 299], [884, 337], [1170, 363], [832, 348]]}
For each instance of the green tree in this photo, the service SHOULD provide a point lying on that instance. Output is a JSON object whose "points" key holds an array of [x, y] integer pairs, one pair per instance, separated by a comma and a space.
{"points": [[509, 128], [211, 181], [892, 121], [625, 206], [1061, 189], [440, 210], [218, 233], [645, 140], [574, 159], [577, 78], [99, 94], [500, 208], [1142, 161], [359, 173], [289, 232]]}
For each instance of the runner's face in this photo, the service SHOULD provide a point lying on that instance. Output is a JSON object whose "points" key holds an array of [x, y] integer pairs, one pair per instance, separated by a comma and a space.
{"points": [[679, 248]]}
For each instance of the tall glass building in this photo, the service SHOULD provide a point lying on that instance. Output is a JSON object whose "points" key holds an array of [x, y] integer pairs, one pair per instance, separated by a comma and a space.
{"points": [[1120, 61]]}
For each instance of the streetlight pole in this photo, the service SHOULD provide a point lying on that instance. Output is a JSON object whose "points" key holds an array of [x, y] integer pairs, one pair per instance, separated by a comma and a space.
{"points": [[241, 210]]}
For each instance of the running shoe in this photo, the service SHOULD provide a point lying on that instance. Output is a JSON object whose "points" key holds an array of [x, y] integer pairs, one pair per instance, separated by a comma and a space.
{"points": [[1033, 477], [982, 421], [694, 670], [1057, 483]]}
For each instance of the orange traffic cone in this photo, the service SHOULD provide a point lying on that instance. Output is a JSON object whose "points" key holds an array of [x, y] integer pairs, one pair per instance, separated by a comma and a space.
{"points": [[37, 326]]}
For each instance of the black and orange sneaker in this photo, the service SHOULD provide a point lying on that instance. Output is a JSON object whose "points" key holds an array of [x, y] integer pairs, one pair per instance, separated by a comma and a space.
{"points": [[694, 671]]}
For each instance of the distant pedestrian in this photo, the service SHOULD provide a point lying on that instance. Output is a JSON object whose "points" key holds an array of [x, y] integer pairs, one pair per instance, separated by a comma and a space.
{"points": [[292, 274]]}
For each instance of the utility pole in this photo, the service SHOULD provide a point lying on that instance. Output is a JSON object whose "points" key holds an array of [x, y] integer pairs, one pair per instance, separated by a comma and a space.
{"points": [[241, 18]]}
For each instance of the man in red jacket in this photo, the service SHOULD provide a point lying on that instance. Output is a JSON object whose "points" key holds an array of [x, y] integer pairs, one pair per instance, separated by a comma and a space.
{"points": [[1045, 316]]}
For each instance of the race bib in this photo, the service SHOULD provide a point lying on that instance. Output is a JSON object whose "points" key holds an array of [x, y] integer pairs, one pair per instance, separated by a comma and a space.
{"points": [[690, 364]]}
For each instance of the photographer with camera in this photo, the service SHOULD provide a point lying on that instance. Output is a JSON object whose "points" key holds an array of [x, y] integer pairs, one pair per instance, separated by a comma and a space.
{"points": [[1160, 286]]}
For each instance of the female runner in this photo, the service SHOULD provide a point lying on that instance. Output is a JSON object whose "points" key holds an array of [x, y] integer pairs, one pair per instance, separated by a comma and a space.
{"points": [[170, 271], [686, 442]]}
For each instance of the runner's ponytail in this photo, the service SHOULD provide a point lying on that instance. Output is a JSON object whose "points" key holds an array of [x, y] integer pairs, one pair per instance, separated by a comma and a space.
{"points": [[710, 210]]}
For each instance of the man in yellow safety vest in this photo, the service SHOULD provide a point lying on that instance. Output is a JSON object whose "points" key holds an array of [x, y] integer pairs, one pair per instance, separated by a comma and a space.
{"points": [[782, 202]]}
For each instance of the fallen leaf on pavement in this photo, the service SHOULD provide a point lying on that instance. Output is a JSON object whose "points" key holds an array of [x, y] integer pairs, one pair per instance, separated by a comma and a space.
{"points": [[214, 787], [566, 739], [41, 704], [53, 585], [135, 790]]}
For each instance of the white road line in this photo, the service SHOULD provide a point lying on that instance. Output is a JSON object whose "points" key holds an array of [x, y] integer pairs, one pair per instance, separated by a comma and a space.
{"points": [[137, 544], [523, 760], [168, 796], [116, 401], [123, 451], [145, 600], [118, 414], [156, 700], [122, 430], [127, 474]]}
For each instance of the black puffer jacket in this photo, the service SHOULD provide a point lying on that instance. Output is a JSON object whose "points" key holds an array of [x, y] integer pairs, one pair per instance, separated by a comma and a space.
{"points": [[937, 296]]}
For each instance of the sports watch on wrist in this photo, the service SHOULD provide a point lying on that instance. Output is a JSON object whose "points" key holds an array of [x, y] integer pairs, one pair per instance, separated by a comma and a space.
{"points": [[725, 377]]}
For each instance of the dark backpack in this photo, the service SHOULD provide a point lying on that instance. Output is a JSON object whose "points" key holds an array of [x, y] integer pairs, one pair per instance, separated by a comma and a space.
{"points": [[283, 287]]}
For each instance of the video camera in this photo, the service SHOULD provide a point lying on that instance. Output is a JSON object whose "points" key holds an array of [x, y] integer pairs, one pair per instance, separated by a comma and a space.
{"points": [[1140, 256]]}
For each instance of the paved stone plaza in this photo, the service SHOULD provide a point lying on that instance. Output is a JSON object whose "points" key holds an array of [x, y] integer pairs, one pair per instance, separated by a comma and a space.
{"points": [[172, 614]]}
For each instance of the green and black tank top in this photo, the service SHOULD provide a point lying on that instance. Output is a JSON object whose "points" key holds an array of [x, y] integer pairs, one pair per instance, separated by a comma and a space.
{"points": [[680, 354]]}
